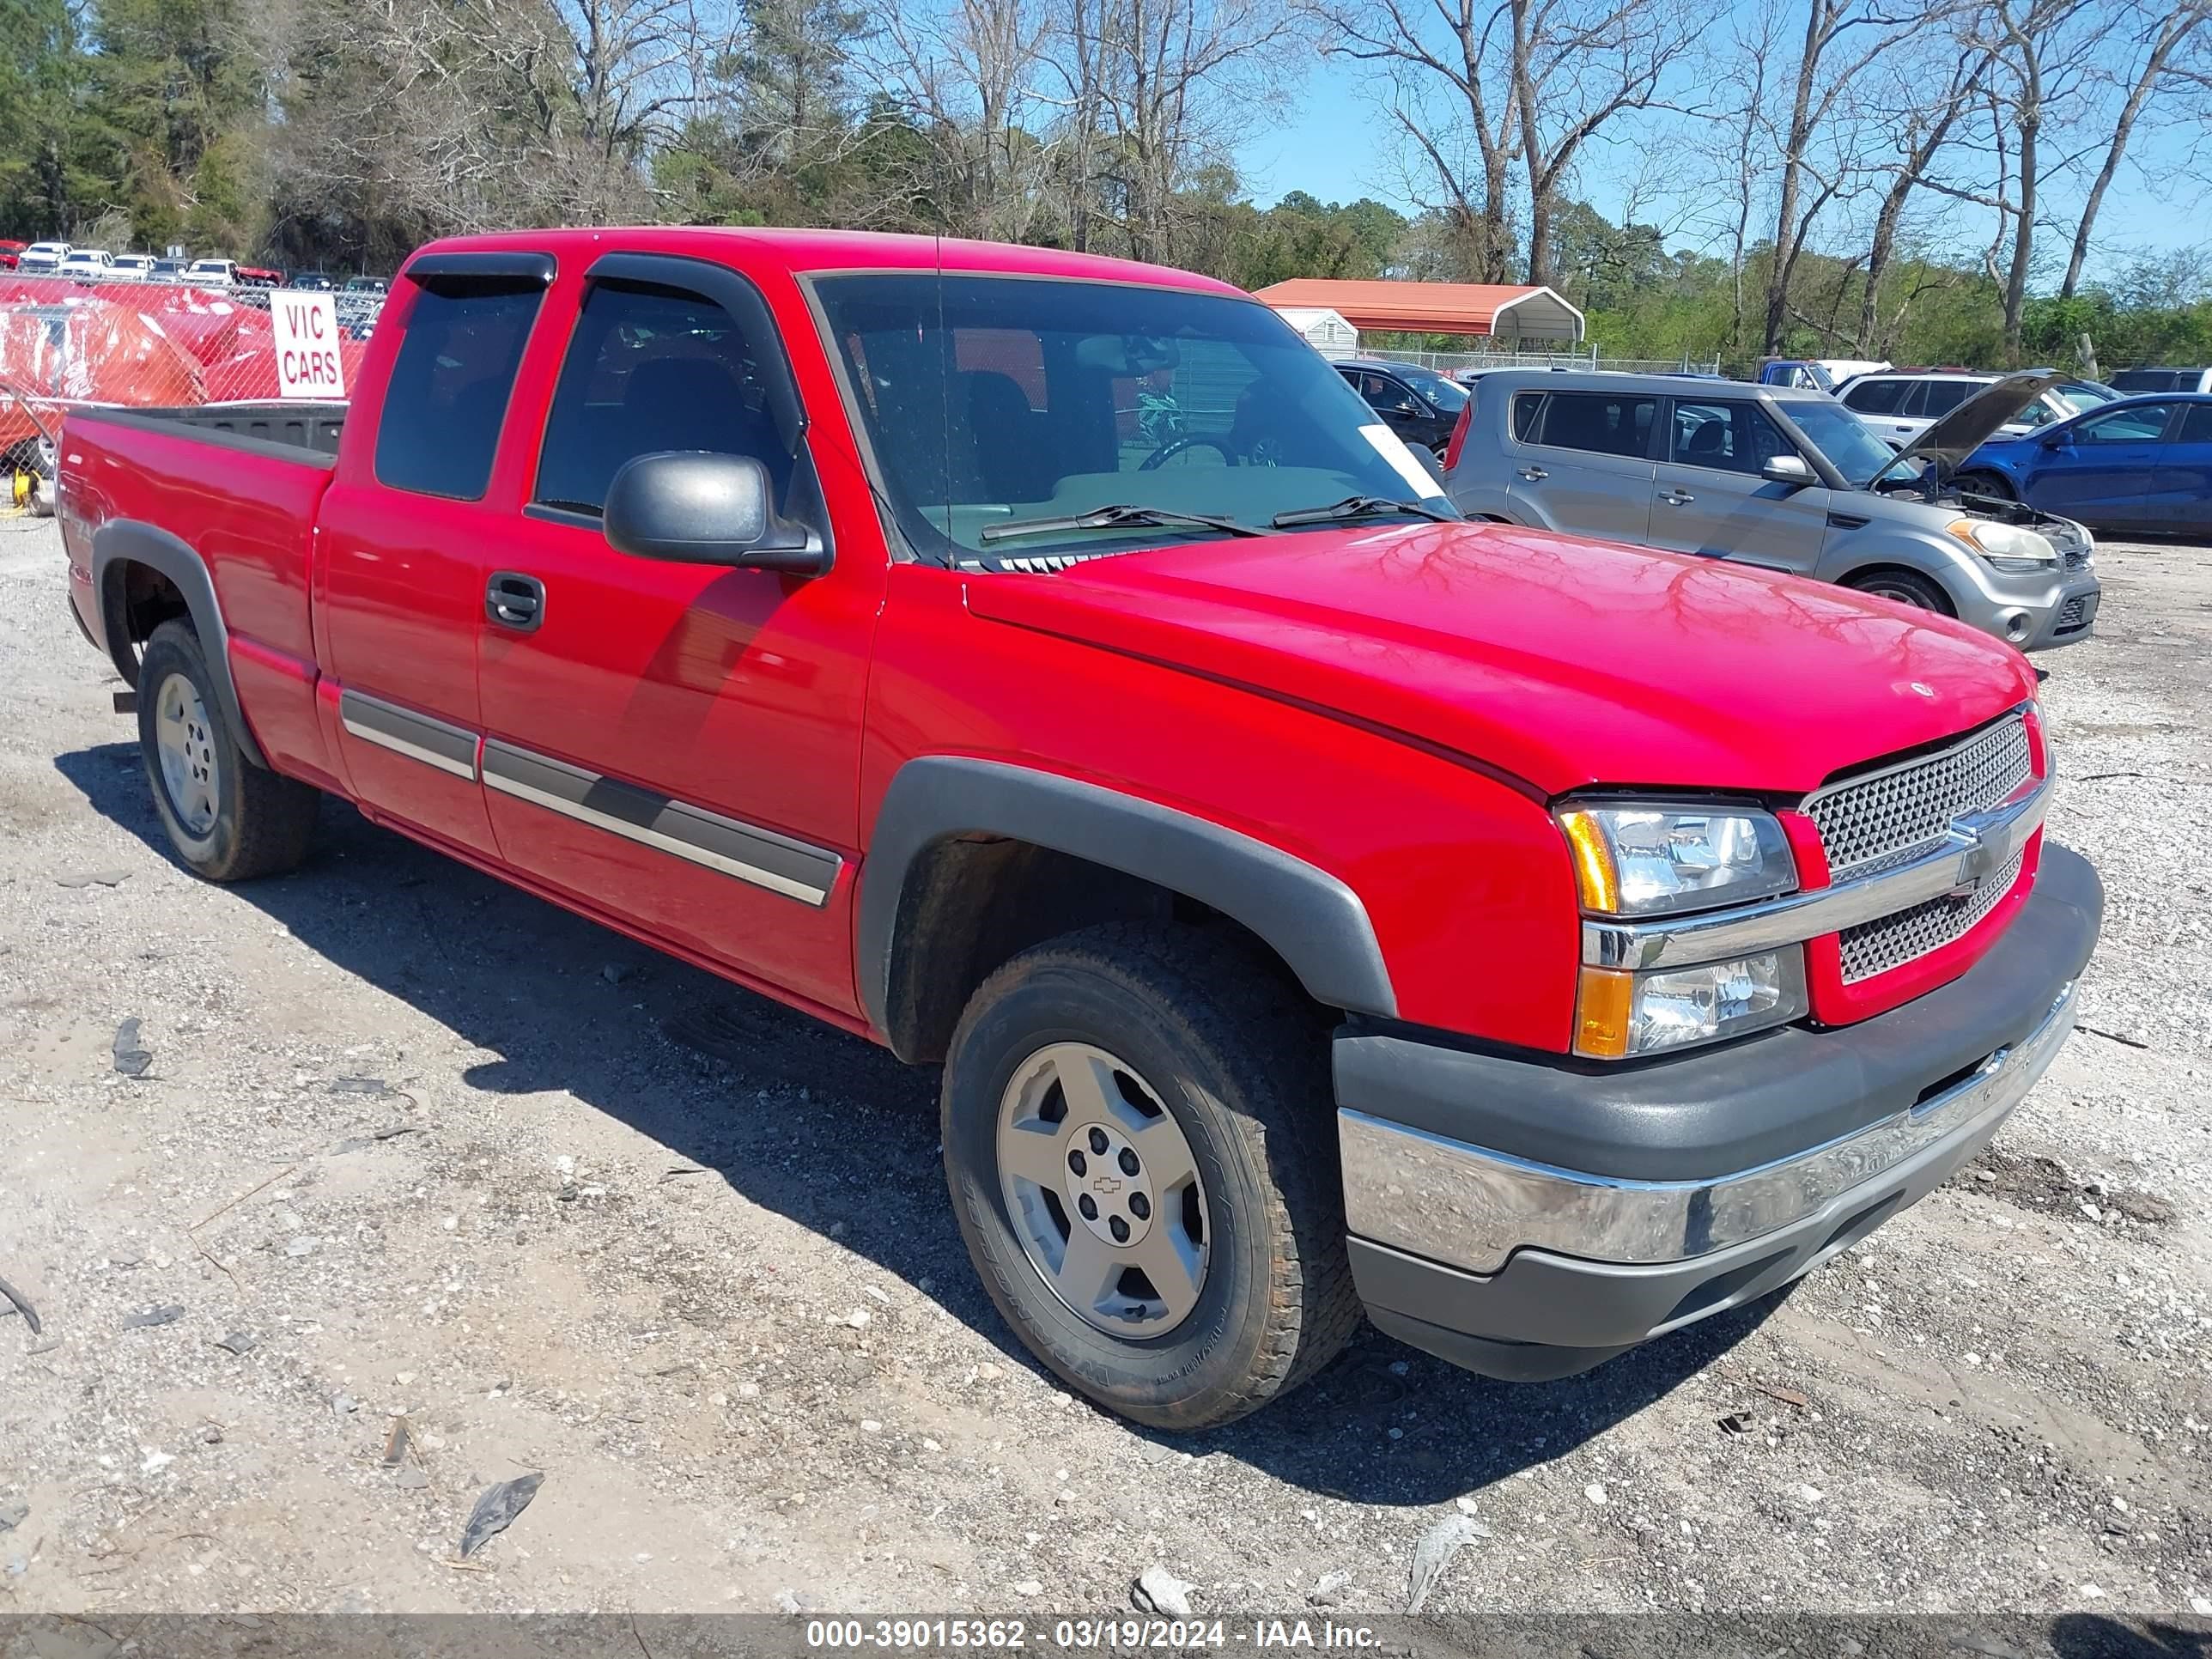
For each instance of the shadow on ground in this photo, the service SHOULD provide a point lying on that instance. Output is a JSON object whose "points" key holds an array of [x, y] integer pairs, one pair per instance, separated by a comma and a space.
{"points": [[519, 976]]}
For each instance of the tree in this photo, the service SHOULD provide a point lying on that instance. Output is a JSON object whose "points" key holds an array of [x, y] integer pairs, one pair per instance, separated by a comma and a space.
{"points": [[2165, 33]]}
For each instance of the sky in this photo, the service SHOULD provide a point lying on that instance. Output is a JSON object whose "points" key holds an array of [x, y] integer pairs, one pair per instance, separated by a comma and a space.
{"points": [[1334, 143]]}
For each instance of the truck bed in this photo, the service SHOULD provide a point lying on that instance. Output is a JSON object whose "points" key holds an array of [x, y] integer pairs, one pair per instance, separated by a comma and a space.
{"points": [[297, 431]]}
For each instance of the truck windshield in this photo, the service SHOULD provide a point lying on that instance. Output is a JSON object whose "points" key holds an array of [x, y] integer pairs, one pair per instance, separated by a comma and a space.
{"points": [[993, 401], [1838, 434]]}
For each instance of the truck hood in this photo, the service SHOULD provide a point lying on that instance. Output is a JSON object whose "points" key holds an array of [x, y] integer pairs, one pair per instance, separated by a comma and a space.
{"points": [[1949, 440], [1561, 662]]}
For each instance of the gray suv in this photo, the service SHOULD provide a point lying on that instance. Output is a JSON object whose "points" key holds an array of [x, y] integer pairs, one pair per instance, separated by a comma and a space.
{"points": [[1783, 478]]}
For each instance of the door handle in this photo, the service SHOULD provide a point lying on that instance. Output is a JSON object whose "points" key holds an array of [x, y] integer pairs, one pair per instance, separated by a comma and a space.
{"points": [[1535, 474], [1680, 498], [514, 600]]}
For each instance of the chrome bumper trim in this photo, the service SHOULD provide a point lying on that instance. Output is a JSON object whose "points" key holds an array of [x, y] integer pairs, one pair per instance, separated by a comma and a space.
{"points": [[1976, 848], [1473, 1208]]}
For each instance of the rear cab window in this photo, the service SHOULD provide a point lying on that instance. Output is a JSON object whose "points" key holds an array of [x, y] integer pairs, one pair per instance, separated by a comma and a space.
{"points": [[447, 400]]}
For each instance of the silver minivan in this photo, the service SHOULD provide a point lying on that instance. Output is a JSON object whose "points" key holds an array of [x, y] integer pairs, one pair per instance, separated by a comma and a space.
{"points": [[1780, 477]]}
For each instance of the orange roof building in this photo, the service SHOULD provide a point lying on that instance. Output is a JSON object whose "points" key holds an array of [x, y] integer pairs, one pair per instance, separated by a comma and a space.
{"points": [[1503, 310]]}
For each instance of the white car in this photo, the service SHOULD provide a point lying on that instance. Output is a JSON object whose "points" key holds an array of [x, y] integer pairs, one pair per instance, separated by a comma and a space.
{"points": [[132, 268], [89, 264], [213, 273], [1897, 405], [45, 257]]}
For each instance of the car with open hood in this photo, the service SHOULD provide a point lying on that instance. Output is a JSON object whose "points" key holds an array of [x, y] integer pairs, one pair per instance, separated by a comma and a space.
{"points": [[1782, 477], [1047, 667]]}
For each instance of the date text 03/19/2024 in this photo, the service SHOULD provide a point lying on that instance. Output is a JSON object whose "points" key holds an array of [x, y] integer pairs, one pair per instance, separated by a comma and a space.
{"points": [[1082, 1636]]}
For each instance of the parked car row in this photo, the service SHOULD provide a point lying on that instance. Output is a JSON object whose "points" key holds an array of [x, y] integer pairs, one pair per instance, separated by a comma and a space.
{"points": [[93, 264]]}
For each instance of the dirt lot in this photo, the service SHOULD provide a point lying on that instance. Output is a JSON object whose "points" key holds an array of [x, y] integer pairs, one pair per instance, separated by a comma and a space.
{"points": [[429, 1146]]}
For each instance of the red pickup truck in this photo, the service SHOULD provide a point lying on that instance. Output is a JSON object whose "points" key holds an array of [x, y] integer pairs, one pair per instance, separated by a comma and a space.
{"points": [[1046, 667]]}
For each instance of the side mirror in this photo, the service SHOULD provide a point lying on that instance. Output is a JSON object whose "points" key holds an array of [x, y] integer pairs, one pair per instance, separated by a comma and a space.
{"points": [[1787, 470], [2056, 441], [696, 507]]}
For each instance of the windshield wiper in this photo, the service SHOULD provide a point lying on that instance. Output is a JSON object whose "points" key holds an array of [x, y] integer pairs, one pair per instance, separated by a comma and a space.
{"points": [[1117, 516], [1361, 506]]}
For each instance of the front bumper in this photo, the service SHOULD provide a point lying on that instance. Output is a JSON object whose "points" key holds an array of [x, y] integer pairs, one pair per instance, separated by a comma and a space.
{"points": [[2035, 613], [1531, 1219]]}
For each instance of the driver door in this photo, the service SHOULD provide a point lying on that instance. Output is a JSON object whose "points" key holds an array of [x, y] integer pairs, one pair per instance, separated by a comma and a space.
{"points": [[1709, 495], [2100, 469], [677, 744]]}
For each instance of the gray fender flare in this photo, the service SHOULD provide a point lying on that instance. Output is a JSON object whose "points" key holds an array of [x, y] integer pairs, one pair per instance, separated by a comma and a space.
{"points": [[129, 541], [1316, 923]]}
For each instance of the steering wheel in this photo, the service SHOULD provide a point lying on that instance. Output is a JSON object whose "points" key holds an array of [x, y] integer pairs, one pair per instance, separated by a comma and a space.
{"points": [[1175, 447]]}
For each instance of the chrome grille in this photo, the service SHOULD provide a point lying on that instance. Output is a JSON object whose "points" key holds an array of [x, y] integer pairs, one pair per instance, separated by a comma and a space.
{"points": [[1875, 947], [1870, 824]]}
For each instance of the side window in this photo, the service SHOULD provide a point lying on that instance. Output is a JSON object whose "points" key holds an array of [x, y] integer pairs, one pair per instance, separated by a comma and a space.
{"points": [[1876, 396], [1603, 422], [1386, 396], [447, 396], [2143, 424], [651, 370], [2196, 425], [1525, 409], [1730, 437], [1939, 398]]}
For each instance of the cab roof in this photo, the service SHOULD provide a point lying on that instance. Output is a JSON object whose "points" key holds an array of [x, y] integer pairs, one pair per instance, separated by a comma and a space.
{"points": [[819, 250]]}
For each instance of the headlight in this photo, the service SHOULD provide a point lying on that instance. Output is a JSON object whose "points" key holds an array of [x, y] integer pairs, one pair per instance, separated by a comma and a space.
{"points": [[1635, 861], [1619, 1016], [2006, 546]]}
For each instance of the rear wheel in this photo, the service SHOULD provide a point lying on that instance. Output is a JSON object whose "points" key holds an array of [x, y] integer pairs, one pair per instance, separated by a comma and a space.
{"points": [[1138, 1140], [1991, 484], [228, 819], [1905, 588]]}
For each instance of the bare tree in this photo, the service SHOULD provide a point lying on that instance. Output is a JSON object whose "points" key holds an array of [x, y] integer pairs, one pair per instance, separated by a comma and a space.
{"points": [[2167, 31], [1578, 66], [1925, 127], [965, 76], [1844, 38], [1456, 49], [1177, 83], [2040, 51]]}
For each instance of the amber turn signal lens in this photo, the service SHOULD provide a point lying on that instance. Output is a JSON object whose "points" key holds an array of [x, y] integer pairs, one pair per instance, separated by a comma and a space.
{"points": [[1603, 1003], [1594, 872]]}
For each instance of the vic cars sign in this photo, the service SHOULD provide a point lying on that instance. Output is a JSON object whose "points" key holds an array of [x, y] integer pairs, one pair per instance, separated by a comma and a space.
{"points": [[307, 346]]}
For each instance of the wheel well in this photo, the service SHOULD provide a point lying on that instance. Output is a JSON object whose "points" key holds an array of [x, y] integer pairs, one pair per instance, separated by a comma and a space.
{"points": [[139, 600], [1867, 573], [971, 903]]}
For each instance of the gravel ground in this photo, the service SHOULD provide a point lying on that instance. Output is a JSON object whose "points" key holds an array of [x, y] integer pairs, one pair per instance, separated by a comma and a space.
{"points": [[412, 1143]]}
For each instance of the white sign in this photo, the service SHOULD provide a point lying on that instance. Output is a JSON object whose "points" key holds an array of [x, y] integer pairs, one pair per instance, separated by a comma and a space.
{"points": [[308, 345]]}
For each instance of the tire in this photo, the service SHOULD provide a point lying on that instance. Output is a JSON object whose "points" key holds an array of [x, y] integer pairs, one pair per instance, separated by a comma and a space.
{"points": [[1986, 484], [228, 818], [1905, 588], [1207, 1041]]}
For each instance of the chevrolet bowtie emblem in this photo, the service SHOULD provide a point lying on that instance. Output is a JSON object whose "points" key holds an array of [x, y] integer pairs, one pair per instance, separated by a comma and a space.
{"points": [[1105, 1185]]}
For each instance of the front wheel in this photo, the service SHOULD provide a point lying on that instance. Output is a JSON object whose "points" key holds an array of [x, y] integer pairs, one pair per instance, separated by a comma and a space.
{"points": [[1138, 1143], [1905, 588]]}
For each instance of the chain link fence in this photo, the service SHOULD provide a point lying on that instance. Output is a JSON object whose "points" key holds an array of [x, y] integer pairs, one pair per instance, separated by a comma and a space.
{"points": [[1446, 363], [134, 345]]}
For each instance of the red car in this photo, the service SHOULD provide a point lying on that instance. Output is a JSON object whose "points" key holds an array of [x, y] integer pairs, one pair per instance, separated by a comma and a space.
{"points": [[1316, 901], [10, 253]]}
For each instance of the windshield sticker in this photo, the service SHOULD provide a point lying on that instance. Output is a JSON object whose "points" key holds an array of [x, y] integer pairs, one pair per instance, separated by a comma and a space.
{"points": [[1392, 449]]}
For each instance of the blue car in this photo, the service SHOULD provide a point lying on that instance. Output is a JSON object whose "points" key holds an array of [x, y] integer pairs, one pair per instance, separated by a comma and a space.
{"points": [[2141, 463]]}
